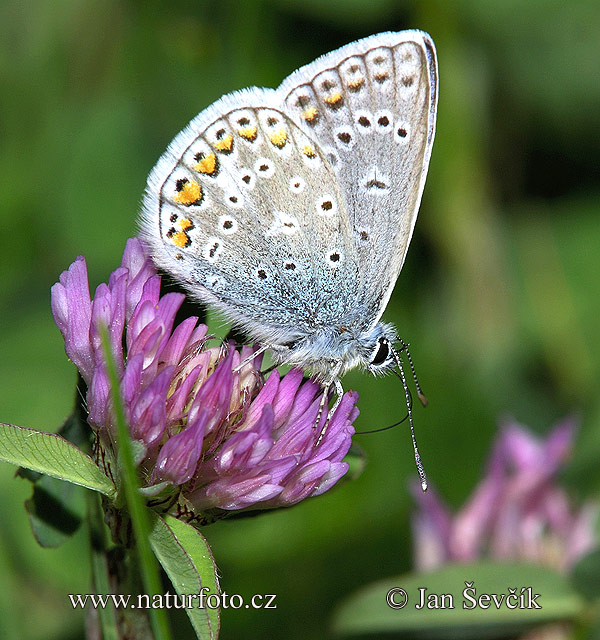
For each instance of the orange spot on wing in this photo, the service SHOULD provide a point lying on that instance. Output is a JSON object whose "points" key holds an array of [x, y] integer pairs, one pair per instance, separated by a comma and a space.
{"points": [[225, 143], [308, 151], [181, 239], [185, 223], [189, 192], [248, 133], [334, 100], [310, 115], [207, 165], [279, 138]]}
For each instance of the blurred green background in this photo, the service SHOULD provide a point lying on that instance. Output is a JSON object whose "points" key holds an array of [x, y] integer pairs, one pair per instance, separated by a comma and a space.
{"points": [[498, 298]]}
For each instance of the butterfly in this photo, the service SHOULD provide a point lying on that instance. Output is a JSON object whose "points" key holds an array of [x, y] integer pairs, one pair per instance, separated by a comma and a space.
{"points": [[290, 210]]}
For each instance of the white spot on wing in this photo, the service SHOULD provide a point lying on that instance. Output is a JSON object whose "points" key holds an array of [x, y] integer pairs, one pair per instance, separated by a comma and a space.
{"points": [[284, 223], [364, 121], [344, 137], [334, 258], [216, 283], [264, 168], [247, 179], [227, 225], [297, 184], [327, 206], [384, 121], [212, 249], [401, 133]]}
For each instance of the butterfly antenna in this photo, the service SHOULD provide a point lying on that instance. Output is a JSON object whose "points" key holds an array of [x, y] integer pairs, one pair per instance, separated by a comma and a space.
{"points": [[420, 394], [420, 469]]}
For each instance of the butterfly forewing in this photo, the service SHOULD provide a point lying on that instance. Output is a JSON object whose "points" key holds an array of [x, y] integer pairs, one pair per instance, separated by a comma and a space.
{"points": [[370, 106], [250, 216]]}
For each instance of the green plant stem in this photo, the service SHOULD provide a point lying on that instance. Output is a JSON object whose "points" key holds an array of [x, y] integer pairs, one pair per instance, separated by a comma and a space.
{"points": [[148, 565], [98, 544]]}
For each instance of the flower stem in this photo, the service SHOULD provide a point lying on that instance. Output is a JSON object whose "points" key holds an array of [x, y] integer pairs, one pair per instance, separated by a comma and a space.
{"points": [[137, 510], [107, 619]]}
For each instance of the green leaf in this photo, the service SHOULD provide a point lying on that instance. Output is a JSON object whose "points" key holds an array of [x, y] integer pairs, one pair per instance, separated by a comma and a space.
{"points": [[139, 451], [52, 455], [156, 489], [56, 510], [186, 557], [367, 611], [586, 575]]}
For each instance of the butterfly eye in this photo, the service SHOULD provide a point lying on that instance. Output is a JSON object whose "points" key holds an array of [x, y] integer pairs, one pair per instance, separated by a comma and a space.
{"points": [[382, 353]]}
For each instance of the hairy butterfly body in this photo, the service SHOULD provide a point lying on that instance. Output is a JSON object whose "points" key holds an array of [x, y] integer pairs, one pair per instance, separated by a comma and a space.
{"points": [[291, 210]]}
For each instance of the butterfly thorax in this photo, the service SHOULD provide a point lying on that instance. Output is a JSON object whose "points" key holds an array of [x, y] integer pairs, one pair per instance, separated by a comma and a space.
{"points": [[331, 352]]}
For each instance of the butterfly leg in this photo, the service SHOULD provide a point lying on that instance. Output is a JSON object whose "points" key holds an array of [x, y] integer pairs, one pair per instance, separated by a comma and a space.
{"points": [[250, 358], [339, 392]]}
